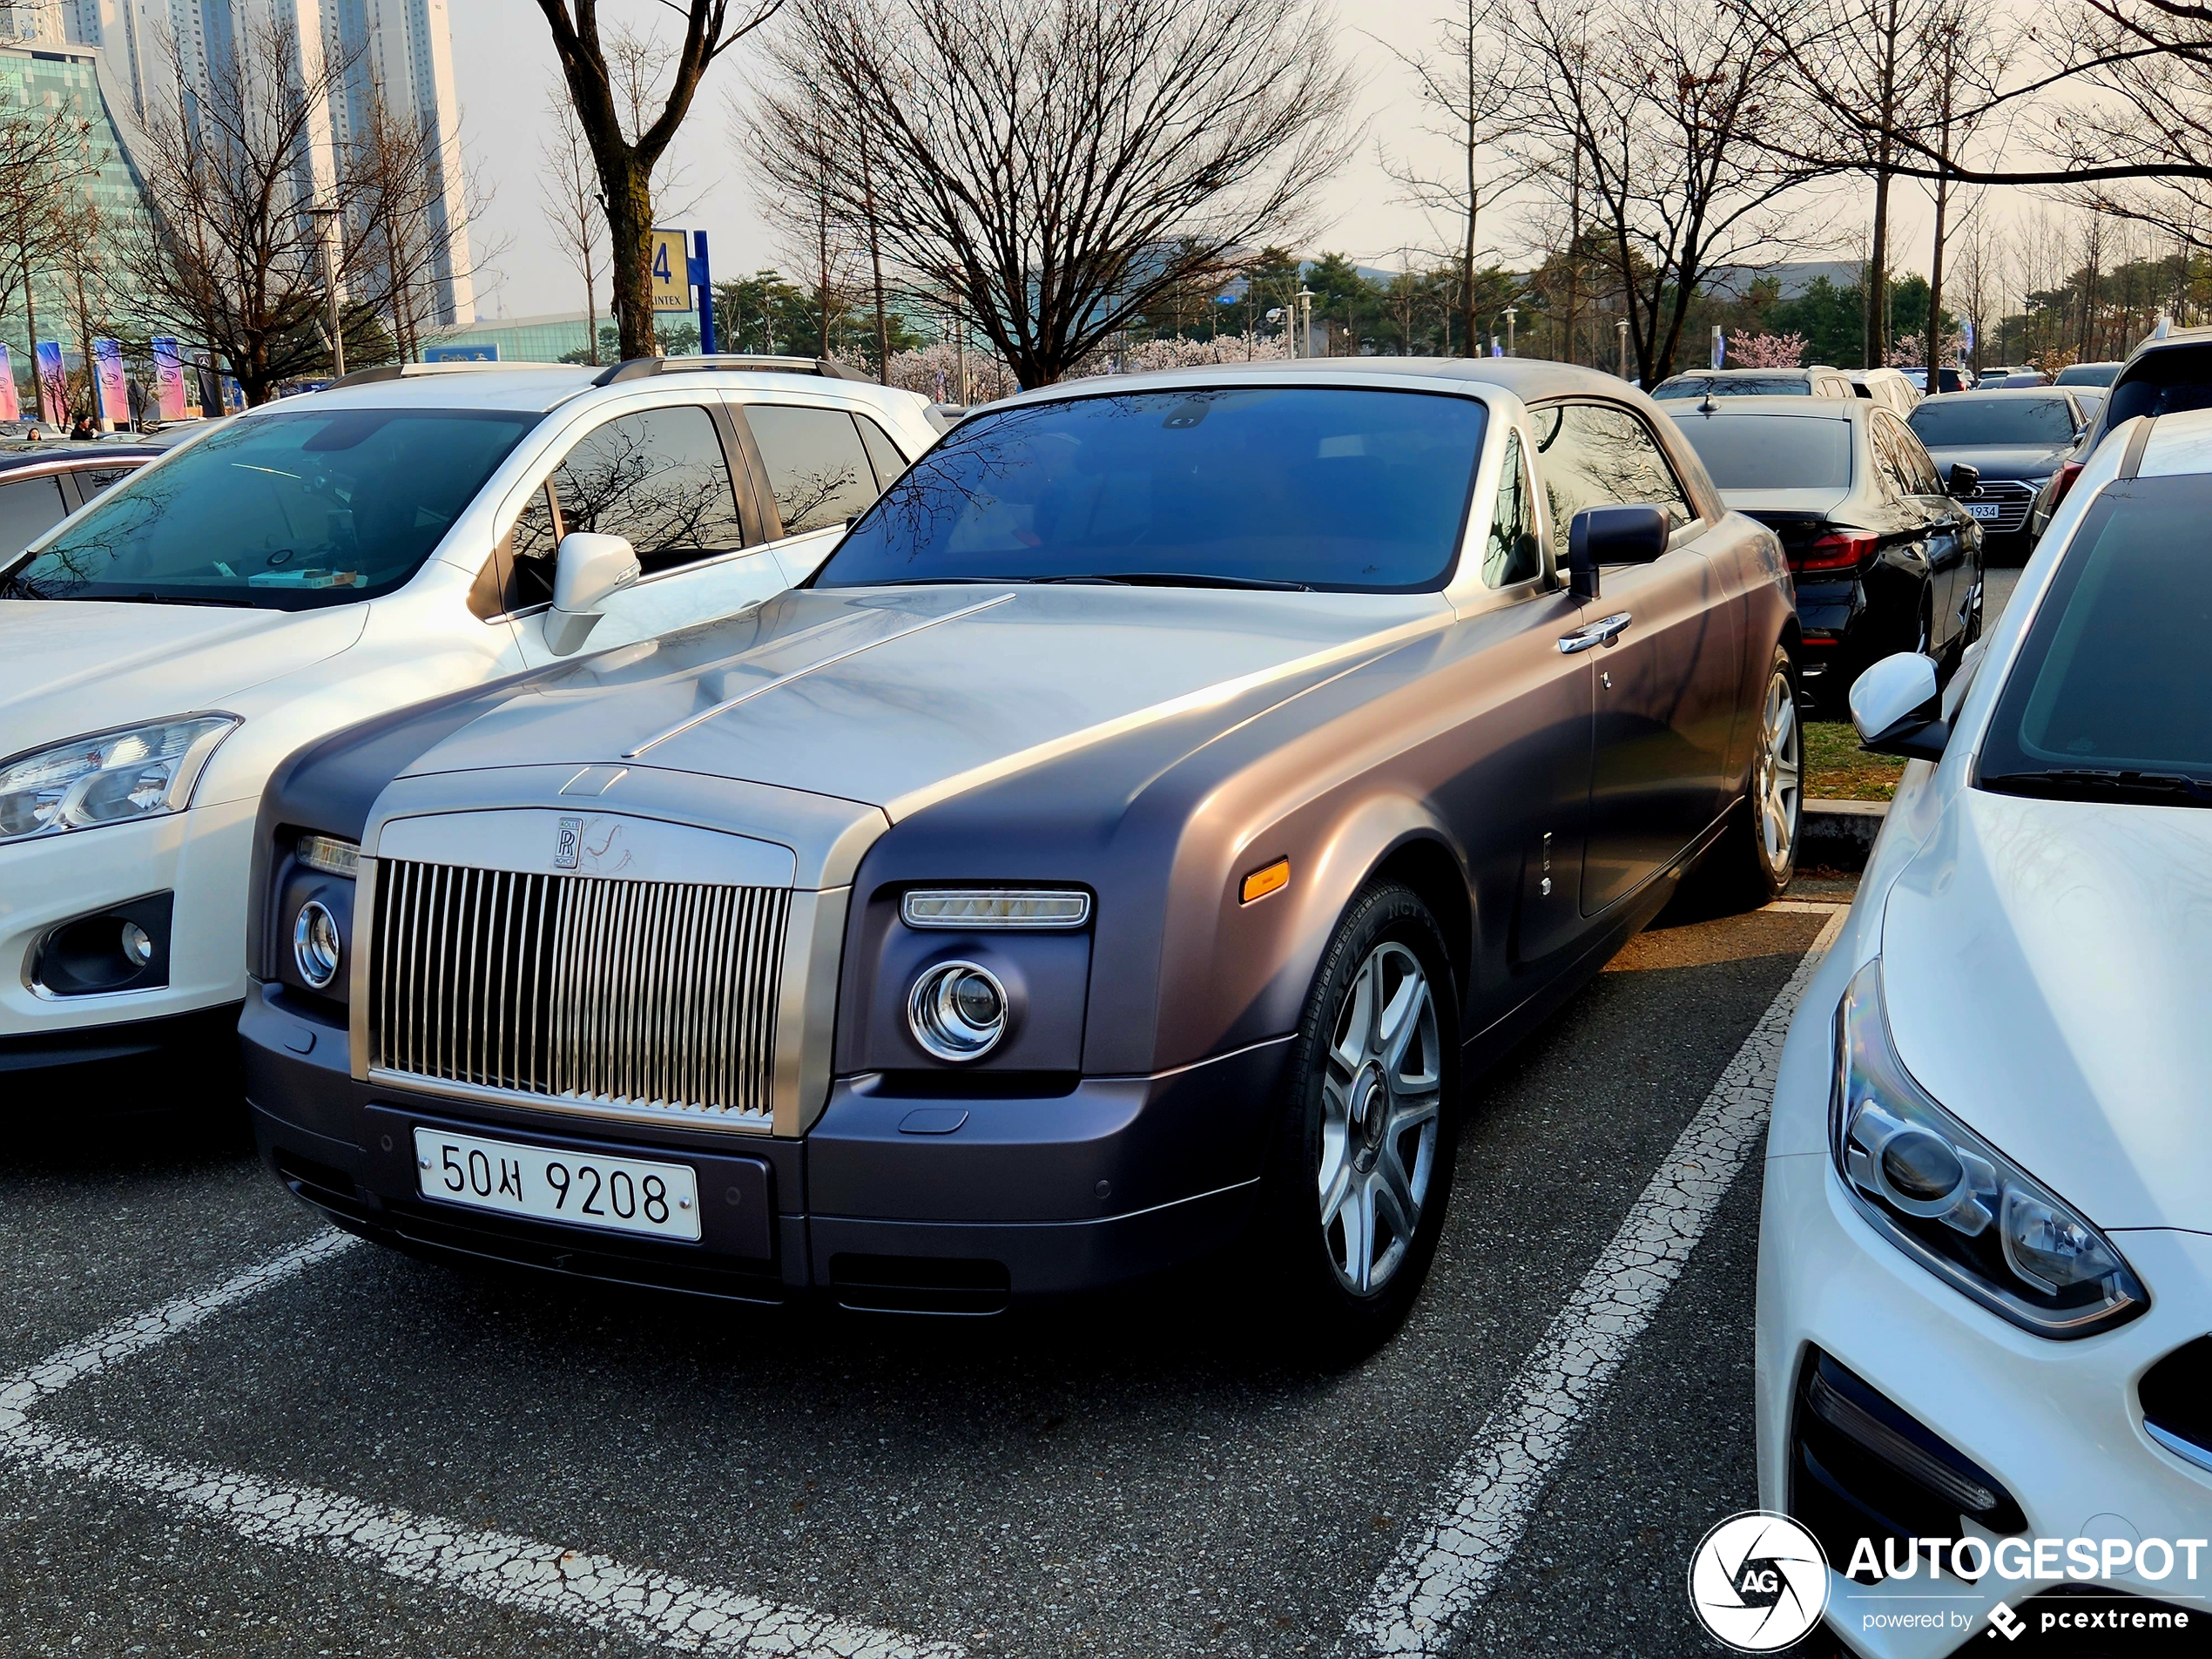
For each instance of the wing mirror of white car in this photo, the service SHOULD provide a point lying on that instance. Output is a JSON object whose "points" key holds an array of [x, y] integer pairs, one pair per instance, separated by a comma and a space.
{"points": [[1896, 706], [588, 570]]}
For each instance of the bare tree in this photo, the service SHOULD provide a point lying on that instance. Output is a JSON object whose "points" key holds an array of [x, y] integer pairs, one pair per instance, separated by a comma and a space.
{"points": [[229, 253], [1048, 170], [1645, 108], [569, 185], [408, 194], [626, 155], [1467, 101]]}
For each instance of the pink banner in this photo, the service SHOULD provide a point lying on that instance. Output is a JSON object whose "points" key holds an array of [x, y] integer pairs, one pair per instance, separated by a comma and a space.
{"points": [[11, 400]]}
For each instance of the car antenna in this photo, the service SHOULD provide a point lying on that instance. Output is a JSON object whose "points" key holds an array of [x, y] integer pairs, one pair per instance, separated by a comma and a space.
{"points": [[1709, 407]]}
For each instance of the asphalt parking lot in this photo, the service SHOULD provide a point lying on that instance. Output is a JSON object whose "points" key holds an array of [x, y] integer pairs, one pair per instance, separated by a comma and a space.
{"points": [[358, 1453]]}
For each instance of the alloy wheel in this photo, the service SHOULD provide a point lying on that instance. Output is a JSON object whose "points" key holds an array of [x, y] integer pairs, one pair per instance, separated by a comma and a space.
{"points": [[1778, 773], [1380, 1098]]}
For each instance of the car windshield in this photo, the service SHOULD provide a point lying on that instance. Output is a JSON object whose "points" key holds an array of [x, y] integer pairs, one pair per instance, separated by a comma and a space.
{"points": [[284, 511], [2087, 375], [2108, 698], [1770, 451], [1963, 420], [1735, 386], [1310, 487]]}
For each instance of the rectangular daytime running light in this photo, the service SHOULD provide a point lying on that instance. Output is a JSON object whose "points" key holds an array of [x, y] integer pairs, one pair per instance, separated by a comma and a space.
{"points": [[993, 907], [330, 855]]}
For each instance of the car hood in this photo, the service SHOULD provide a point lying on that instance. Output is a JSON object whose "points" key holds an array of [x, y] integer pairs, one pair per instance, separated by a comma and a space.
{"points": [[900, 696], [69, 667], [2044, 965], [2004, 460]]}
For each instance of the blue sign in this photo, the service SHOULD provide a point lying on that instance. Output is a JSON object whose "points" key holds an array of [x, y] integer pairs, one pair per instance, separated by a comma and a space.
{"points": [[460, 353]]}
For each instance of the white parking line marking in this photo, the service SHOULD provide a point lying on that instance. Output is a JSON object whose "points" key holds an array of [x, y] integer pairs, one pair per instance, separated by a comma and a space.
{"points": [[1447, 1563], [591, 1590]]}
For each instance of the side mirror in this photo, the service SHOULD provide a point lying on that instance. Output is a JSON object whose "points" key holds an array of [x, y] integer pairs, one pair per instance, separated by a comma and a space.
{"points": [[1964, 480], [1896, 707], [587, 570], [1603, 536]]}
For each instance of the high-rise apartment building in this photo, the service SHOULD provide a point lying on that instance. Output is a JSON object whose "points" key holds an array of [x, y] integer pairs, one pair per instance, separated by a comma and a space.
{"points": [[400, 51]]}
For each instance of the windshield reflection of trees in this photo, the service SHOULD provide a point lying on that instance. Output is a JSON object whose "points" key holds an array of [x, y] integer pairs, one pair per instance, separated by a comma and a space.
{"points": [[1339, 489]]}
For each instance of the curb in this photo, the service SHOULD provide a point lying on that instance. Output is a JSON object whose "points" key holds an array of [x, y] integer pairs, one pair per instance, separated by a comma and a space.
{"points": [[1838, 835]]}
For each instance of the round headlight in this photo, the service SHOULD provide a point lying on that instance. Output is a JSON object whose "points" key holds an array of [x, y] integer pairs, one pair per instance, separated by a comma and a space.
{"points": [[957, 1010], [315, 944]]}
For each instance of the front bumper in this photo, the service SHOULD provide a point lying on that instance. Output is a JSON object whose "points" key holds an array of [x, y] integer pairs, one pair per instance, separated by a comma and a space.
{"points": [[891, 1202], [201, 856], [2058, 1424]]}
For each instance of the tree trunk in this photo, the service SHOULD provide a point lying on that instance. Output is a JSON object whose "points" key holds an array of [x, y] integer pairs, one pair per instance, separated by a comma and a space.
{"points": [[1877, 347], [1933, 336], [875, 259], [629, 225]]}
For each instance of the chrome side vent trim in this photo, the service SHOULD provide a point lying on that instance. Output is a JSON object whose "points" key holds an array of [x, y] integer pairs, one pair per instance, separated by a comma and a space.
{"points": [[627, 998]]}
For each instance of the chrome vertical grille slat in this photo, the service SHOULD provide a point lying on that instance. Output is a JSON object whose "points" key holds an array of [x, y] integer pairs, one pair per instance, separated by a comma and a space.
{"points": [[659, 997]]}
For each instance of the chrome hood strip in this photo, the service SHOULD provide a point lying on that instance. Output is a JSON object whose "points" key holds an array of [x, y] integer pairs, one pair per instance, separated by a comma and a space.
{"points": [[705, 715]]}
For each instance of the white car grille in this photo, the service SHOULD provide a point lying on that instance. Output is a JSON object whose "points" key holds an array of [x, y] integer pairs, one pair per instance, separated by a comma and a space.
{"points": [[644, 996]]}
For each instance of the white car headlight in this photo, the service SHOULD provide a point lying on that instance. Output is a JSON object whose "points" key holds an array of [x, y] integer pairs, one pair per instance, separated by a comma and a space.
{"points": [[109, 777], [1947, 1197]]}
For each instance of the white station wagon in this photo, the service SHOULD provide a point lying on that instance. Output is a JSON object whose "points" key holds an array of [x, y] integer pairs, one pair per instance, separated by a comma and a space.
{"points": [[404, 534]]}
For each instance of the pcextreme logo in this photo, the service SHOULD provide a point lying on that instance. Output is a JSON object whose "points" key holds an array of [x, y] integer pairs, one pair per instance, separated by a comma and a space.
{"points": [[1758, 1581]]}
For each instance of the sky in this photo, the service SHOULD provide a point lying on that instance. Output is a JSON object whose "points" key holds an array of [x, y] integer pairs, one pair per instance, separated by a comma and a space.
{"points": [[504, 66]]}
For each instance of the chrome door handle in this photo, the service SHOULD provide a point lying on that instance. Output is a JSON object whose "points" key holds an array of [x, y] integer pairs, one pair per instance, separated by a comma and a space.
{"points": [[1603, 631]]}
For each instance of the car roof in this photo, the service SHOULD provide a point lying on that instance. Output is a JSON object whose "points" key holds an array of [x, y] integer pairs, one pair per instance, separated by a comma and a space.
{"points": [[2016, 393], [2177, 444], [1529, 379], [536, 387], [20, 452], [1803, 409]]}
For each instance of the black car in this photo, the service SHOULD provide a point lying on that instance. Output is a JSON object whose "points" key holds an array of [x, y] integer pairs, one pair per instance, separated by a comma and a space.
{"points": [[2015, 439], [2166, 374], [1886, 559], [43, 481], [2088, 374]]}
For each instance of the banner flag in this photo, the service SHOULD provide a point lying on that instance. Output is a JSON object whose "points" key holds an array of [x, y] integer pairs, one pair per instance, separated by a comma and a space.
{"points": [[53, 382], [168, 378]]}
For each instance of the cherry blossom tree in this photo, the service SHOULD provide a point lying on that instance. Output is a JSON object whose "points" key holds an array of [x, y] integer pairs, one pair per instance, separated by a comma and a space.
{"points": [[1766, 351]]}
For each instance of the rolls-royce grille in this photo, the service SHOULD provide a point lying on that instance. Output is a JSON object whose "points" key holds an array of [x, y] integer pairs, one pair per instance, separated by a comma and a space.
{"points": [[659, 994]]}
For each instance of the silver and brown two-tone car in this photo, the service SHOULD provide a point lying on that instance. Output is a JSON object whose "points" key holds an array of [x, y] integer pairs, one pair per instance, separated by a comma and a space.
{"points": [[1115, 859]]}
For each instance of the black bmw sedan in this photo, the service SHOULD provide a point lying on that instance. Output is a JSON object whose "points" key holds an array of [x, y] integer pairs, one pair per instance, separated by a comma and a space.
{"points": [[1885, 556]]}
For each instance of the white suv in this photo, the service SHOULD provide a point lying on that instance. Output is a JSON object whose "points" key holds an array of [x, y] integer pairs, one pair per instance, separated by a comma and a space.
{"points": [[401, 535]]}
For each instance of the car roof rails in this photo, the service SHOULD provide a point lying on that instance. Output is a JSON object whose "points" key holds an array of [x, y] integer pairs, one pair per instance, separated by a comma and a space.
{"points": [[638, 368], [384, 372]]}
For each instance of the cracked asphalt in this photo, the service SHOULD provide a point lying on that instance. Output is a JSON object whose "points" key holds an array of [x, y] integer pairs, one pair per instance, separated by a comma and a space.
{"points": [[1120, 1478]]}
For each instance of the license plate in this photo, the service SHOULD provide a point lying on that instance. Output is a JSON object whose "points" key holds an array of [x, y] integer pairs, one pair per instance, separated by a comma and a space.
{"points": [[550, 1184], [1985, 508]]}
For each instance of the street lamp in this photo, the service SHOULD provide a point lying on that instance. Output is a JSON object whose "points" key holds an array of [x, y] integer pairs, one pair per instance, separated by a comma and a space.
{"points": [[1305, 320], [1623, 327], [325, 220], [1512, 312]]}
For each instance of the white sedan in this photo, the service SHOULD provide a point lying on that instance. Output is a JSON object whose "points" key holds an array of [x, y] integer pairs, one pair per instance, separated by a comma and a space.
{"points": [[402, 536], [1985, 1250]]}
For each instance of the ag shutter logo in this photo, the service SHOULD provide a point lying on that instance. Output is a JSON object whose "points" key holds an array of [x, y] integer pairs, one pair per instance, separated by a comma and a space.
{"points": [[1758, 1581]]}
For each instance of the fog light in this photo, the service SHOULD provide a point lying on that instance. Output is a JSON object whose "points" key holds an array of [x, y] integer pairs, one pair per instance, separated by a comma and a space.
{"points": [[137, 944], [315, 944], [957, 1010]]}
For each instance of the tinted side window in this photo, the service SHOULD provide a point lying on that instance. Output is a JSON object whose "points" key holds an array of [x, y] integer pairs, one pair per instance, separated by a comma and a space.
{"points": [[1594, 454], [1920, 466], [658, 478], [27, 510], [91, 480], [1512, 553], [1890, 460], [816, 465], [888, 458]]}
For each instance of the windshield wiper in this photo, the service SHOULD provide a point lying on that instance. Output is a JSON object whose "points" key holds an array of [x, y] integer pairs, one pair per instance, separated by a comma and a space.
{"points": [[1183, 579], [2168, 788]]}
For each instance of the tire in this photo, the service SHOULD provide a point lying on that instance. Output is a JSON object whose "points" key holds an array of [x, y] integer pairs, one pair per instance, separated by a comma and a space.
{"points": [[1756, 855], [1366, 1130]]}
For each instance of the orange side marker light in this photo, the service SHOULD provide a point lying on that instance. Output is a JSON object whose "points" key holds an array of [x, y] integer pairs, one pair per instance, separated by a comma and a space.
{"points": [[1269, 878]]}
